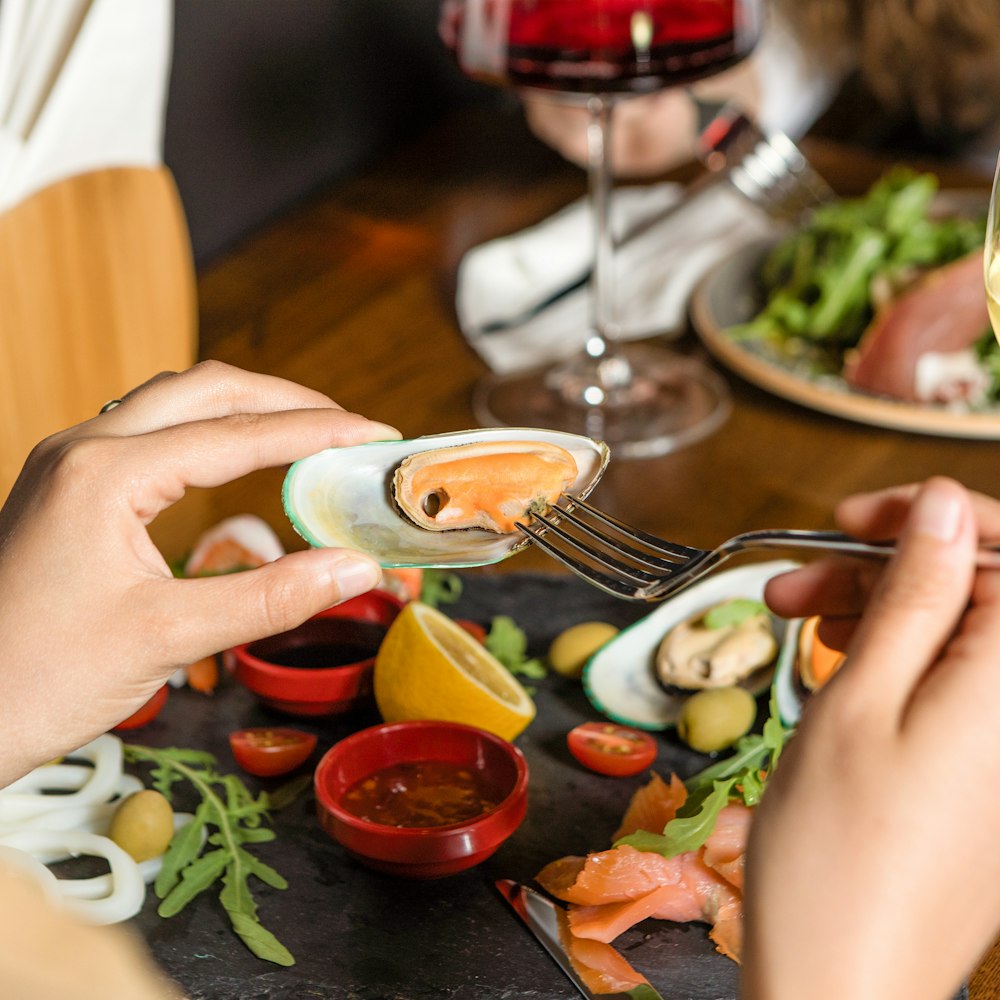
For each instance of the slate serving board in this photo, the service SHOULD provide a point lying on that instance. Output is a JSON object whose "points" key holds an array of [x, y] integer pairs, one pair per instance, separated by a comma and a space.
{"points": [[360, 935]]}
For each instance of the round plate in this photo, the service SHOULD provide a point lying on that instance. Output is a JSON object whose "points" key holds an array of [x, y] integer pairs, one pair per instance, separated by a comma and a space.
{"points": [[729, 294], [619, 678]]}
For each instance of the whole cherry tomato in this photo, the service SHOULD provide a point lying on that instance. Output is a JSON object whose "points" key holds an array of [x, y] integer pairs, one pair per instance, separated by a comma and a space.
{"points": [[267, 751], [145, 713], [607, 748]]}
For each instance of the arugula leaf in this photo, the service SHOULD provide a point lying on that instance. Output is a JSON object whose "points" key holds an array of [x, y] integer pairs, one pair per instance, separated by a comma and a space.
{"points": [[440, 586], [184, 848], [774, 735], [732, 612], [508, 643], [689, 831], [197, 858], [196, 877], [287, 793], [741, 776]]}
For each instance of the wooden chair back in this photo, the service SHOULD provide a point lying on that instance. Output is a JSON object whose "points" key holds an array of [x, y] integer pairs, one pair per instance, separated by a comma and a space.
{"points": [[97, 294]]}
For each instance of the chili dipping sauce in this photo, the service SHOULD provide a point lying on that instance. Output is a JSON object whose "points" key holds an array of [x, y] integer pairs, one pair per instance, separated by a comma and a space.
{"points": [[421, 793]]}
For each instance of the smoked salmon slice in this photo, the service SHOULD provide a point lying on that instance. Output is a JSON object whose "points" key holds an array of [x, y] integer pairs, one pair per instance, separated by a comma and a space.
{"points": [[602, 969], [610, 891], [652, 806], [725, 849], [613, 876]]}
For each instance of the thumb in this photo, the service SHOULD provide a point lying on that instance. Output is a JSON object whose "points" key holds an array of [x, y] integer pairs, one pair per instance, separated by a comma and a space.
{"points": [[920, 596], [223, 611]]}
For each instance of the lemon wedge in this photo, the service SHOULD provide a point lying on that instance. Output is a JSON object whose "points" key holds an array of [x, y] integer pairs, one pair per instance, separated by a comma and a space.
{"points": [[428, 667]]}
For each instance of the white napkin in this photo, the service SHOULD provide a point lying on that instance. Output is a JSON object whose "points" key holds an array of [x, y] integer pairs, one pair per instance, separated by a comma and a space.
{"points": [[82, 86], [501, 282]]}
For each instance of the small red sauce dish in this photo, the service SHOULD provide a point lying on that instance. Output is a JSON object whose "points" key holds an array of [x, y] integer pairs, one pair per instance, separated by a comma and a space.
{"points": [[495, 769], [324, 666], [145, 713]]}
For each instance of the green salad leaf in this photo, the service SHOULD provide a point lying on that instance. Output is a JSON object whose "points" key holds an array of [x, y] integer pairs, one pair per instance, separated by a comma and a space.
{"points": [[818, 281], [741, 777], [732, 612], [508, 643], [440, 586], [214, 844]]}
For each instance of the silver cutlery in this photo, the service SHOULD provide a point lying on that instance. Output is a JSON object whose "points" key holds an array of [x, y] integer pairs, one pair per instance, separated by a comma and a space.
{"points": [[547, 922], [636, 566], [766, 168]]}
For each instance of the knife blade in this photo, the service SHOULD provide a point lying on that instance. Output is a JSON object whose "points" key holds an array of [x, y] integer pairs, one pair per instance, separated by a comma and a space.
{"points": [[548, 923]]}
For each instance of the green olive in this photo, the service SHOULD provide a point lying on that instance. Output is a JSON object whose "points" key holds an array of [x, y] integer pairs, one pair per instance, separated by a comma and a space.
{"points": [[571, 649], [716, 718], [143, 825]]}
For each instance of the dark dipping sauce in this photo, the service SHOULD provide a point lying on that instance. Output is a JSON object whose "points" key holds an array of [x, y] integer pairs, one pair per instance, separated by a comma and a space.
{"points": [[321, 644], [419, 793]]}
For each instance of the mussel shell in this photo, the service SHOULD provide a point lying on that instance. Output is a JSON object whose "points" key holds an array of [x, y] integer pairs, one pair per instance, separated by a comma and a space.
{"points": [[620, 679], [342, 497]]}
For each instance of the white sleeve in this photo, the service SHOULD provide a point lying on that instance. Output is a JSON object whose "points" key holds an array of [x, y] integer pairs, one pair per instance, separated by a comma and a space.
{"points": [[795, 89]]}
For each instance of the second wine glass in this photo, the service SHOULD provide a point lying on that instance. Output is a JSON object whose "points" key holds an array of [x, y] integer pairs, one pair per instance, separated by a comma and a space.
{"points": [[642, 399], [991, 257]]}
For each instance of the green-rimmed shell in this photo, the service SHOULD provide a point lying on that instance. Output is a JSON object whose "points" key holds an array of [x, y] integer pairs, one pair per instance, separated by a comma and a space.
{"points": [[342, 497], [620, 680]]}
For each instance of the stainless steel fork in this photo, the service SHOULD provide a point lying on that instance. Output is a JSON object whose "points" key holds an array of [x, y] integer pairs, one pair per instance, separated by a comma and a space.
{"points": [[637, 566], [766, 168]]}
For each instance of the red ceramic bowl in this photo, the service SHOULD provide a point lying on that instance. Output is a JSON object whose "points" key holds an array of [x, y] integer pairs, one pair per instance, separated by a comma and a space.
{"points": [[325, 665], [422, 852]]}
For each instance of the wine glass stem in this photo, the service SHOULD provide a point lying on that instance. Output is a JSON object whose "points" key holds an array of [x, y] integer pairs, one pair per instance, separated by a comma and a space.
{"points": [[599, 377], [602, 296]]}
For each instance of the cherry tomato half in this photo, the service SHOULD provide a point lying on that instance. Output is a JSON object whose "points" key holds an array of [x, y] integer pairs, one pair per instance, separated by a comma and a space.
{"points": [[145, 713], [267, 751], [474, 629], [607, 748]]}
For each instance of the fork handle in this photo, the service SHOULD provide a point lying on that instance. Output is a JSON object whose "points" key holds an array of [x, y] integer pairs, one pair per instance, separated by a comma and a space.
{"points": [[988, 557]]}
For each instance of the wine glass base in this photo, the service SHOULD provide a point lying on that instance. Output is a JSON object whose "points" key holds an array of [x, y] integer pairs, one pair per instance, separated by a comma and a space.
{"points": [[677, 401]]}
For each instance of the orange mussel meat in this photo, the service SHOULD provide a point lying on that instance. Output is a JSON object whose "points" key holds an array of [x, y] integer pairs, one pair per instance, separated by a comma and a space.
{"points": [[493, 485]]}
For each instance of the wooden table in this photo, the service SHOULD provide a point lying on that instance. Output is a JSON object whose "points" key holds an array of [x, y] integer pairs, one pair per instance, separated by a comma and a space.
{"points": [[352, 294]]}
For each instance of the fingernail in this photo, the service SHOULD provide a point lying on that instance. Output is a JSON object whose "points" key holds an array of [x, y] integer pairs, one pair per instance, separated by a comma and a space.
{"points": [[938, 513], [383, 432], [355, 574]]}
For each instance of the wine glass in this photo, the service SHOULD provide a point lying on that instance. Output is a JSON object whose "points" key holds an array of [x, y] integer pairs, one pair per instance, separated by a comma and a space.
{"points": [[991, 257], [643, 400]]}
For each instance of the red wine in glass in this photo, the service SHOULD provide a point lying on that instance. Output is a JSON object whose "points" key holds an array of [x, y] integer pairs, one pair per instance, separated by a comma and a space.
{"points": [[599, 46], [642, 399]]}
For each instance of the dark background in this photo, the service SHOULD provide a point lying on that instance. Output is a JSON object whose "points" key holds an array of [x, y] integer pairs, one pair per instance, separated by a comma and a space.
{"points": [[271, 100]]}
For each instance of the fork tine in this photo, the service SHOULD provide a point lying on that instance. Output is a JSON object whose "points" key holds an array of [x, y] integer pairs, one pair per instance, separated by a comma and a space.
{"points": [[604, 556], [617, 586], [660, 546], [617, 546]]}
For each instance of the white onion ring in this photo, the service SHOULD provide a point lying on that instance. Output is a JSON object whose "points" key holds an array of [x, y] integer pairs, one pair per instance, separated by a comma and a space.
{"points": [[23, 798], [60, 811], [94, 818], [101, 885], [127, 889], [21, 861]]}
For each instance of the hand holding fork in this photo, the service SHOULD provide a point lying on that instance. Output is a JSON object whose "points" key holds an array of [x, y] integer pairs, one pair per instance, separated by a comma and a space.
{"points": [[634, 565]]}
